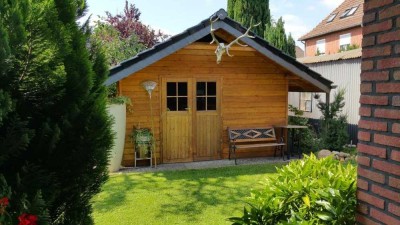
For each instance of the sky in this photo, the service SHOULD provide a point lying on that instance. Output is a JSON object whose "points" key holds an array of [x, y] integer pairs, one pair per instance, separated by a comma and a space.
{"points": [[174, 16]]}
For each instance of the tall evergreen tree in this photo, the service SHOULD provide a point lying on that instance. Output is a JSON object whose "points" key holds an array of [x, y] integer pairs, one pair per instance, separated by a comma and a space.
{"points": [[54, 129], [243, 11], [247, 11]]}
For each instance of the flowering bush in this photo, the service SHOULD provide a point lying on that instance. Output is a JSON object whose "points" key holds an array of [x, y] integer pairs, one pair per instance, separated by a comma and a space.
{"points": [[27, 219]]}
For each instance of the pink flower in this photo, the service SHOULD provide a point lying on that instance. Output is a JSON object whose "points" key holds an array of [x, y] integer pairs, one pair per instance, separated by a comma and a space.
{"points": [[27, 219]]}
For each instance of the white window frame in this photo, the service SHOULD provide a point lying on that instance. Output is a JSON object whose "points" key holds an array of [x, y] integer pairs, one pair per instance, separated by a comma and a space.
{"points": [[320, 46], [344, 41], [305, 101]]}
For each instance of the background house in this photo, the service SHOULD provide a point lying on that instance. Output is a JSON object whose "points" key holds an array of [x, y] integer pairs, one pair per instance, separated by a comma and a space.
{"points": [[338, 31], [196, 99], [335, 61]]}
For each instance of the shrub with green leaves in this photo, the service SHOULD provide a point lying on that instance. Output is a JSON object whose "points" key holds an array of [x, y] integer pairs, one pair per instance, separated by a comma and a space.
{"points": [[309, 191]]}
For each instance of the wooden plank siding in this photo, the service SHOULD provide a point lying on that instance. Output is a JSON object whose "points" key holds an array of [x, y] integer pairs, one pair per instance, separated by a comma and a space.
{"points": [[254, 91]]}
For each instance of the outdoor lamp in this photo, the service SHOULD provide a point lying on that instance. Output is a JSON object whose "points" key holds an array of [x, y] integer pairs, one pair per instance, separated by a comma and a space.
{"points": [[149, 86]]}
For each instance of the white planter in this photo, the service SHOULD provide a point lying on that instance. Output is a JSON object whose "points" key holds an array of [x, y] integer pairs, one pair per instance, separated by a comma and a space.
{"points": [[118, 112]]}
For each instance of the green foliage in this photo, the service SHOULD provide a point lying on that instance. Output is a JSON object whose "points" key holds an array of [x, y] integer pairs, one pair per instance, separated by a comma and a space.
{"points": [[349, 47], [247, 11], [54, 129], [276, 36], [309, 140], [309, 191], [334, 124]]}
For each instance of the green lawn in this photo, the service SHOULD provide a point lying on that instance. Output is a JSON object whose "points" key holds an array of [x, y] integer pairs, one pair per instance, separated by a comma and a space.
{"points": [[207, 196]]}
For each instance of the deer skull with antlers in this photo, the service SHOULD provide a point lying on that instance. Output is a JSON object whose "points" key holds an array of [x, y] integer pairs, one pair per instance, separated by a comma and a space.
{"points": [[221, 47]]}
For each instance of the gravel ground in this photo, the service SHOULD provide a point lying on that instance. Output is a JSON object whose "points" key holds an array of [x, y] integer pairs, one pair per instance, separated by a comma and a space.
{"points": [[203, 164]]}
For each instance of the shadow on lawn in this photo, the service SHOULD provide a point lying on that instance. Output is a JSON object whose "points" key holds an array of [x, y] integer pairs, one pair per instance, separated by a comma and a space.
{"points": [[198, 190]]}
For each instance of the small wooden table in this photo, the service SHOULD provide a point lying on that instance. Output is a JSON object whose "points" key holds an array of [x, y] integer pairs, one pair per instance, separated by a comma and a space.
{"points": [[291, 129]]}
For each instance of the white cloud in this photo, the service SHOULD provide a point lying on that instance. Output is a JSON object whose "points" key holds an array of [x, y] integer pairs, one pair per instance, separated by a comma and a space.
{"points": [[332, 4], [295, 25]]}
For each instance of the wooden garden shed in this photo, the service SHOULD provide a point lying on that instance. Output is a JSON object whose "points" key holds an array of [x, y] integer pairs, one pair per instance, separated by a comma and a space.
{"points": [[196, 99]]}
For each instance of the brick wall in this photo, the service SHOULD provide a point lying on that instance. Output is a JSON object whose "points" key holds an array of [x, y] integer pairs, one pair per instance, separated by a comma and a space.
{"points": [[379, 127]]}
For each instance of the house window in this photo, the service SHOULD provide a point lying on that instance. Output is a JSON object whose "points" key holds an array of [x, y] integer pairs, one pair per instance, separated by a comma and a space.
{"points": [[320, 47], [177, 96], [305, 101], [349, 12], [206, 96], [344, 41], [331, 17]]}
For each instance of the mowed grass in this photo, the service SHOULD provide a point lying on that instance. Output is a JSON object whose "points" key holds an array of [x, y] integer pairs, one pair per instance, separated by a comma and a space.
{"points": [[207, 196]]}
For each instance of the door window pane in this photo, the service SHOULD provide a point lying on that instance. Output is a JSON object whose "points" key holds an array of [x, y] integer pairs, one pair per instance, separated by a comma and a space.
{"points": [[212, 103], [201, 103], [182, 89], [171, 104], [211, 88], [201, 88], [182, 104], [171, 89]]}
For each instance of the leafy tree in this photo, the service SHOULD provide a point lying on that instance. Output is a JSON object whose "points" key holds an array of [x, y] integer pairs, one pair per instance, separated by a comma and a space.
{"points": [[334, 124], [128, 24], [54, 129], [247, 11]]}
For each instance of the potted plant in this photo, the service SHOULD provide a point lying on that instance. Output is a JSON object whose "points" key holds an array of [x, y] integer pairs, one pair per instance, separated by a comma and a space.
{"points": [[142, 138]]}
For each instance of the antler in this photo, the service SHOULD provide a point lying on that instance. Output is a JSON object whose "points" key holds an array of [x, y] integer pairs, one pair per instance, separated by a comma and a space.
{"points": [[212, 31], [236, 41]]}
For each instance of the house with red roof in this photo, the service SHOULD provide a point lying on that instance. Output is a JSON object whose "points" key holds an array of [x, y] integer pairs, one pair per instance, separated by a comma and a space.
{"points": [[339, 31]]}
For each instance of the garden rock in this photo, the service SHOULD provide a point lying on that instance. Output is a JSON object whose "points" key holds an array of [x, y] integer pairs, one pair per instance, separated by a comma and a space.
{"points": [[341, 156], [324, 153]]}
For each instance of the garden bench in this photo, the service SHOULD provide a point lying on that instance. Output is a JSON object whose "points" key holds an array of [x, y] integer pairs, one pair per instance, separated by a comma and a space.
{"points": [[256, 137]]}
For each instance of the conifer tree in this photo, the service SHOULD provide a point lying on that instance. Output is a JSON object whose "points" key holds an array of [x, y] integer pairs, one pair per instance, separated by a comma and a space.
{"points": [[243, 11], [54, 129], [247, 11]]}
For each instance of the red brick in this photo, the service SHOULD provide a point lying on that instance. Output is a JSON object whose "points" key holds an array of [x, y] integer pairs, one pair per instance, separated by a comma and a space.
{"points": [[375, 76], [397, 48], [388, 88], [388, 63], [374, 100], [368, 41], [396, 75], [372, 4], [386, 193], [389, 37], [365, 111], [386, 167], [387, 140], [364, 136], [362, 208], [395, 155], [369, 17], [394, 209], [396, 101], [363, 184], [375, 201], [372, 125], [396, 128], [394, 182], [367, 65], [389, 12], [376, 27], [363, 160], [371, 175], [365, 220], [372, 150], [366, 88], [383, 217], [387, 113]]}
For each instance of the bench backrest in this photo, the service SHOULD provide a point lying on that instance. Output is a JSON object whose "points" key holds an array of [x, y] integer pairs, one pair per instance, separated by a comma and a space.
{"points": [[251, 134]]}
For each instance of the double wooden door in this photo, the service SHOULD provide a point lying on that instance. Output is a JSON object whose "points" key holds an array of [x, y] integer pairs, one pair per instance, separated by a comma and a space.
{"points": [[191, 119]]}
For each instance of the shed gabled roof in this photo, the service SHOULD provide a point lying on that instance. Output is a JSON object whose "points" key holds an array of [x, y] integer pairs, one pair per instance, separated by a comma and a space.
{"points": [[338, 23], [179, 41]]}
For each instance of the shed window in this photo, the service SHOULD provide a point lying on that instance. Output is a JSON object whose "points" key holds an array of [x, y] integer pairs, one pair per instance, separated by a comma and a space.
{"points": [[320, 47], [177, 99], [305, 101], [345, 41], [206, 96]]}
